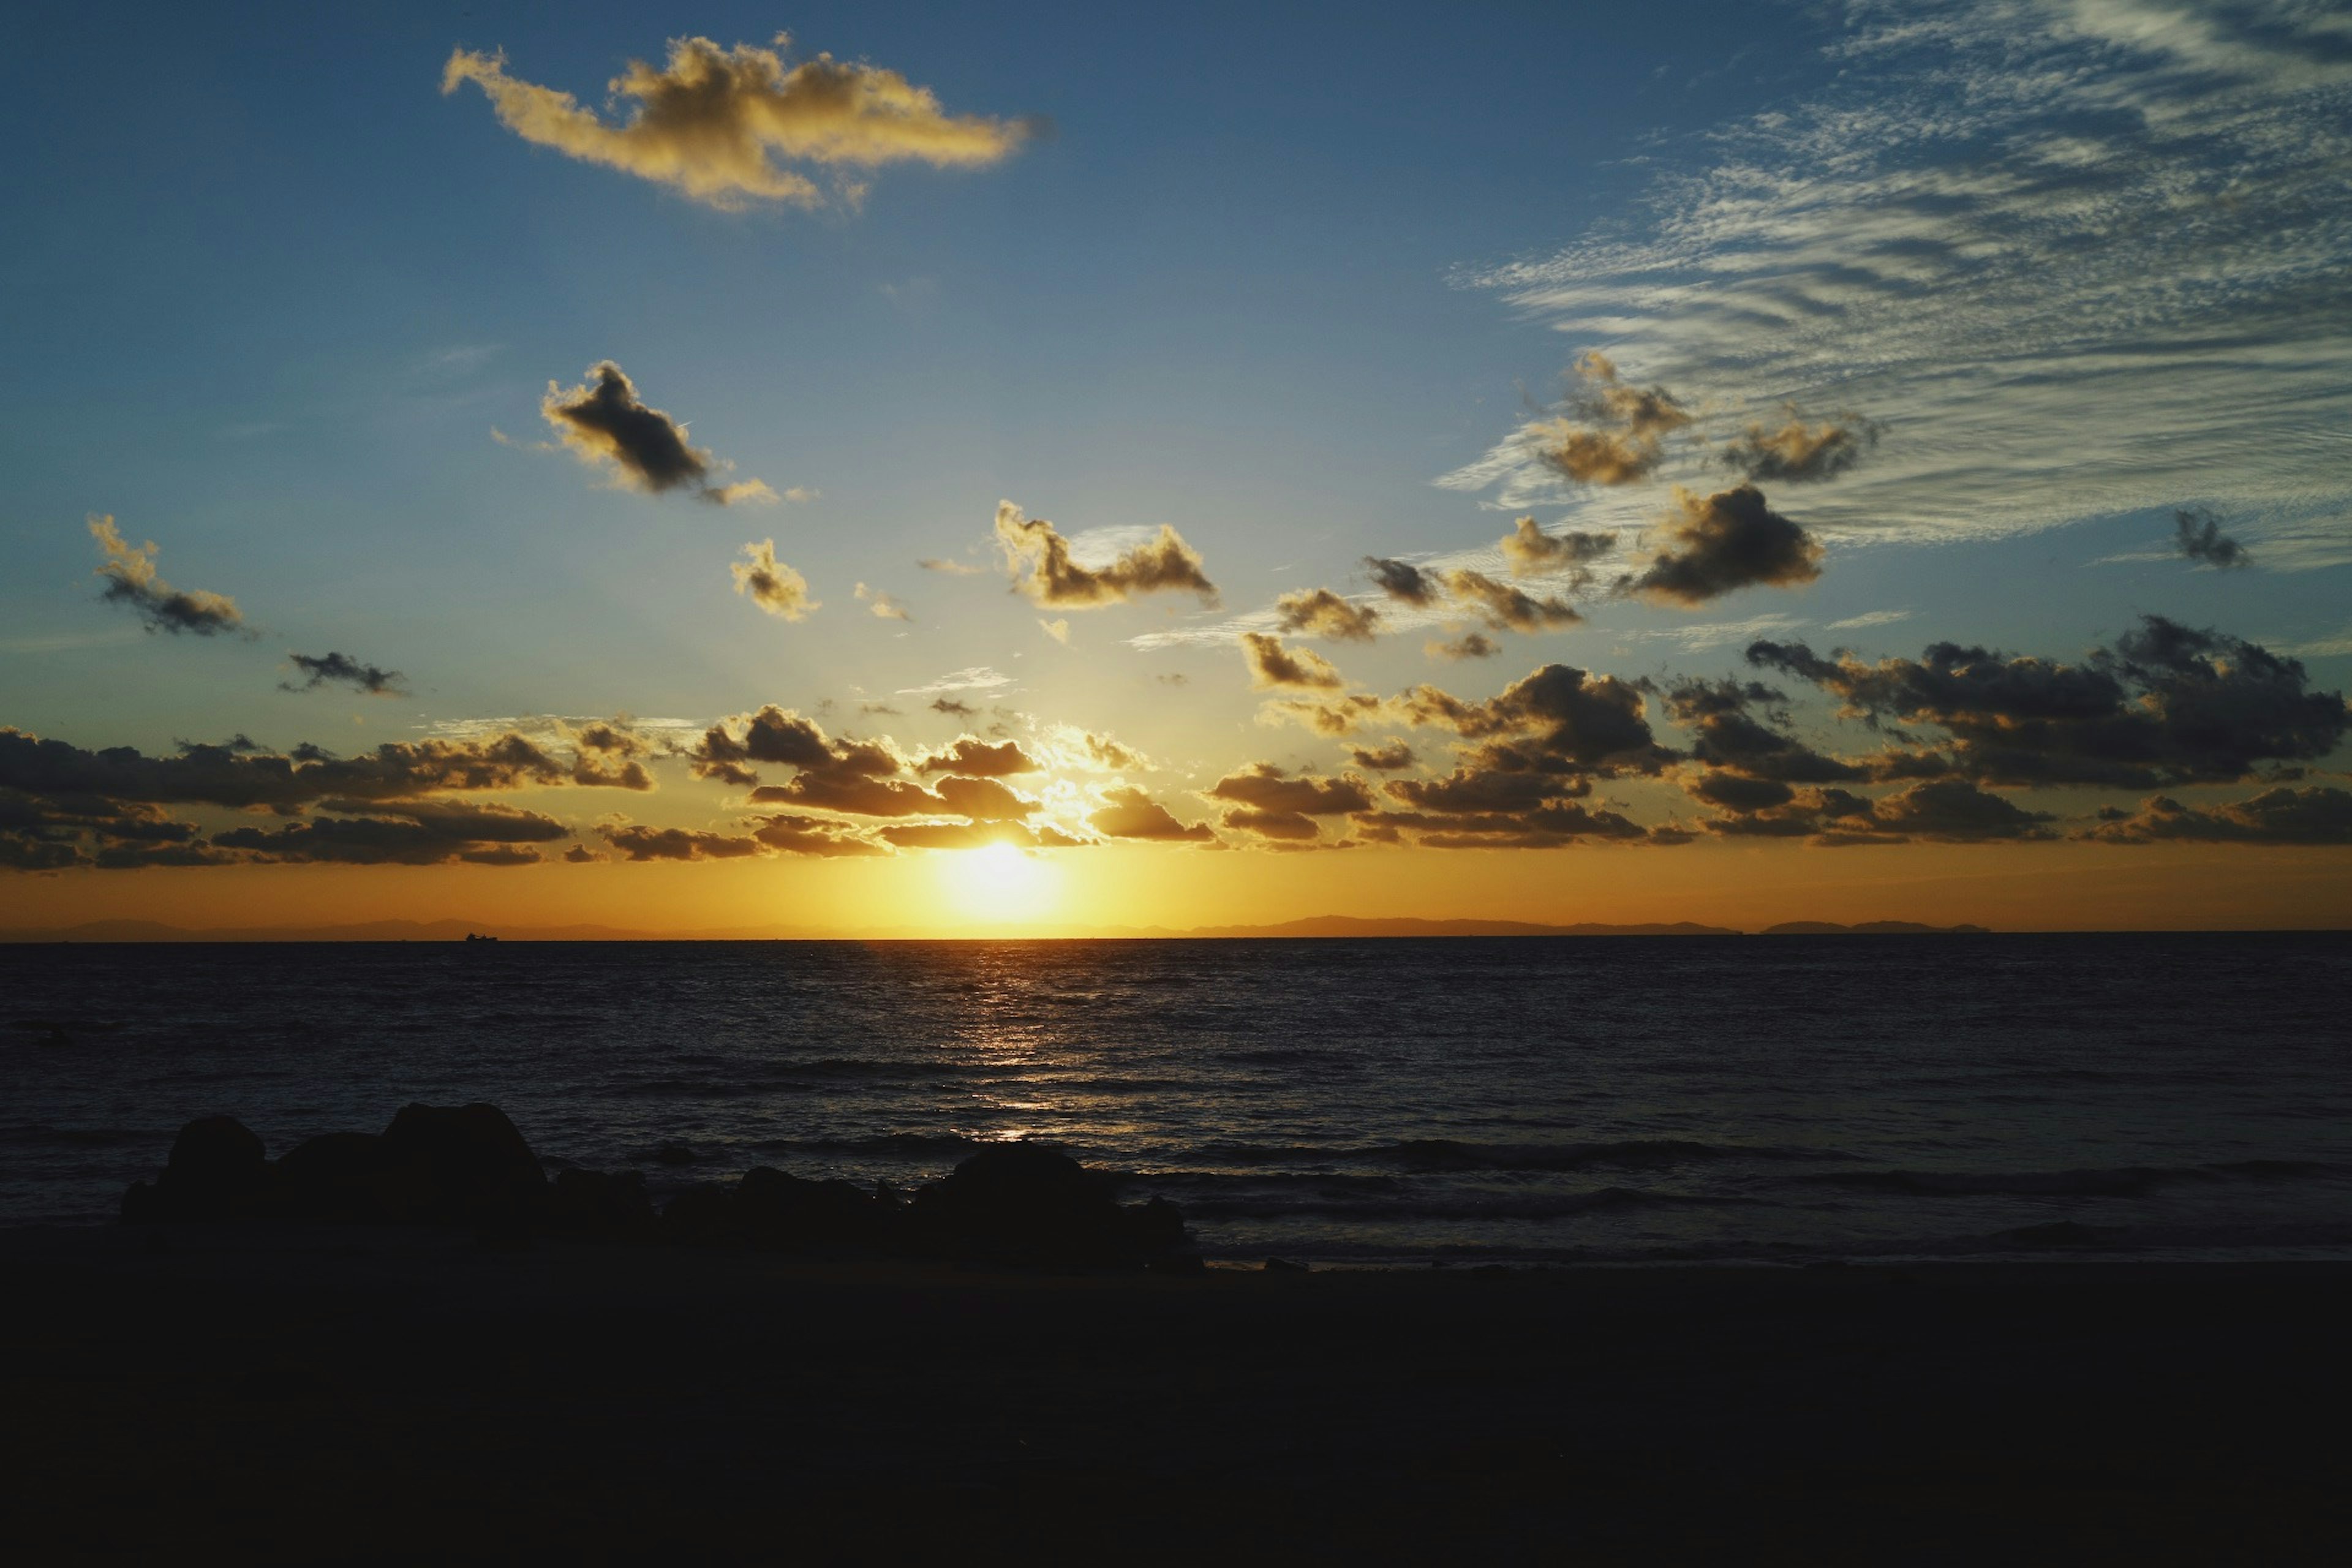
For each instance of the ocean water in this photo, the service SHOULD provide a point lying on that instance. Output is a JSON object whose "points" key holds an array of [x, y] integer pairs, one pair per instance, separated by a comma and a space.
{"points": [[1610, 1100]]}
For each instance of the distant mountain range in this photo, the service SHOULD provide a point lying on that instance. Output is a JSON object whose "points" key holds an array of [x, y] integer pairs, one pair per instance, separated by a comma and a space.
{"points": [[1314, 926]]}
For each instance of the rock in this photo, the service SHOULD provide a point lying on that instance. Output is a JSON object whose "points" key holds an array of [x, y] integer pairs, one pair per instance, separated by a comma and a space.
{"points": [[703, 1214], [217, 1170], [1284, 1266], [346, 1176], [1031, 1202], [777, 1210], [600, 1203], [464, 1166]]}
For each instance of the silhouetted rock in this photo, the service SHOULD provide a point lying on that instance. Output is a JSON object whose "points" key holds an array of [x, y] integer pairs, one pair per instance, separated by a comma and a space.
{"points": [[1031, 1203], [600, 1203], [217, 1170], [777, 1210], [464, 1166], [703, 1214], [350, 1177]]}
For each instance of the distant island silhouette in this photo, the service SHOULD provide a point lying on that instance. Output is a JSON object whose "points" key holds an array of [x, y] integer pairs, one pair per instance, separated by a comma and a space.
{"points": [[1326, 926]]}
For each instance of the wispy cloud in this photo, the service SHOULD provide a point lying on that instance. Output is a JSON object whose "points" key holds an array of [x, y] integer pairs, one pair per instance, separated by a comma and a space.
{"points": [[2076, 261], [973, 677]]}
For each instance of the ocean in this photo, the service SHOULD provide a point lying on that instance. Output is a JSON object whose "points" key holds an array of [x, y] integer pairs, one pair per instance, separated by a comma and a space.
{"points": [[1772, 1099]]}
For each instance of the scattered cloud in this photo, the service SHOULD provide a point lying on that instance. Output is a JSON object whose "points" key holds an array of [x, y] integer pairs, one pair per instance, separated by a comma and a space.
{"points": [[979, 759], [2198, 537], [1470, 644], [1613, 433], [342, 669], [637, 842], [1533, 553], [771, 584], [1271, 665], [971, 678], [1321, 613], [952, 568], [1042, 567], [1129, 812], [607, 426], [883, 605], [1505, 608], [1403, 580], [2318, 815], [721, 125], [1058, 630], [1870, 618], [132, 579], [1720, 544], [1796, 453], [1394, 757]]}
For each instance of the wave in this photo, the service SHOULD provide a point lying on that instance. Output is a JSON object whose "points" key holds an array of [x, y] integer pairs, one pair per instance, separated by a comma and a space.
{"points": [[1443, 1154], [2125, 1182]]}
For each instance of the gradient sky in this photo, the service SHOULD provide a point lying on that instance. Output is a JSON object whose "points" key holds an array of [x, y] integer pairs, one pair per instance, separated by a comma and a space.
{"points": [[2006, 347]]}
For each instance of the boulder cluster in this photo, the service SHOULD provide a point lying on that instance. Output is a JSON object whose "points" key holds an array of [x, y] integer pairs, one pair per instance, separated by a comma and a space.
{"points": [[469, 1166]]}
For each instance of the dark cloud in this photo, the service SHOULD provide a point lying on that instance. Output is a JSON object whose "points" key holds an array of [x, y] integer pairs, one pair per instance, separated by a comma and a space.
{"points": [[985, 800], [237, 775], [1555, 825], [1391, 758], [712, 122], [637, 842], [607, 426], [1321, 613], [1505, 608], [790, 835], [1403, 580], [345, 670], [132, 579], [953, 708], [1533, 553], [2166, 704], [1558, 719], [1173, 677], [2316, 815], [1274, 666], [1614, 433], [1107, 754], [1470, 644], [1474, 791], [1948, 810], [581, 855], [1039, 560], [1719, 543], [1795, 452], [1265, 787], [1129, 813], [781, 737], [2198, 537], [858, 795], [771, 584], [415, 834], [1747, 727], [981, 760], [1290, 827], [975, 836]]}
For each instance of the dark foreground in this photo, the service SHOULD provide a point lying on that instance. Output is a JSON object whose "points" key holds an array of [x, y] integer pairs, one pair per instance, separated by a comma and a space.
{"points": [[270, 1393]]}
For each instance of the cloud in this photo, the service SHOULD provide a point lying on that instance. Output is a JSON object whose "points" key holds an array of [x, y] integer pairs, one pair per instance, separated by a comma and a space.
{"points": [[781, 737], [1041, 564], [1059, 630], [2316, 815], [1558, 719], [342, 669], [1747, 728], [608, 426], [1272, 666], [1403, 580], [1619, 439], [1505, 608], [2166, 704], [409, 834], [2198, 537], [976, 835], [2084, 257], [971, 678], [1391, 758], [637, 842], [953, 708], [1262, 786], [714, 122], [790, 835], [1723, 542], [952, 568], [1944, 811], [1290, 827], [1698, 637], [1321, 613], [883, 606], [979, 759], [1796, 453], [1129, 812], [985, 799], [1471, 644], [1533, 553], [772, 585], [132, 579], [581, 855], [1870, 618]]}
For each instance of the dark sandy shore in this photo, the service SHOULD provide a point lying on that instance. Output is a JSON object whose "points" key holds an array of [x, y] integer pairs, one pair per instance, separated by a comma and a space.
{"points": [[268, 1393]]}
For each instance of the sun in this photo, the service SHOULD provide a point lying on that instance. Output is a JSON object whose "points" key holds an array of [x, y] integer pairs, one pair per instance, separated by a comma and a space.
{"points": [[1001, 883]]}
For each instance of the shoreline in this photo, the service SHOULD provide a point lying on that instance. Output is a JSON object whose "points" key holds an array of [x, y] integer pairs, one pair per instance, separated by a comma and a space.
{"points": [[268, 1382]]}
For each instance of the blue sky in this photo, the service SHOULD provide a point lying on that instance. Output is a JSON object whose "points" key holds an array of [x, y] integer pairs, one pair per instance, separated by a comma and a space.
{"points": [[1305, 283]]}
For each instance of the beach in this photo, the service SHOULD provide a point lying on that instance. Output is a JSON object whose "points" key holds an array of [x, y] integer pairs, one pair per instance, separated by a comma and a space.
{"points": [[273, 1392]]}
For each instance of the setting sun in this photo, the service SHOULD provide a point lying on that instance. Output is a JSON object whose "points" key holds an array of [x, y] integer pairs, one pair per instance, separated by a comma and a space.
{"points": [[1001, 883]]}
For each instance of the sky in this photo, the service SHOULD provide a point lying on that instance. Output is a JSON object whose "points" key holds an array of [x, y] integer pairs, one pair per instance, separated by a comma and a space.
{"points": [[887, 469]]}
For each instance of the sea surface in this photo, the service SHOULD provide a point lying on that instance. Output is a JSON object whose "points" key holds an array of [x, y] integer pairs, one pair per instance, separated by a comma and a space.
{"points": [[1454, 1101]]}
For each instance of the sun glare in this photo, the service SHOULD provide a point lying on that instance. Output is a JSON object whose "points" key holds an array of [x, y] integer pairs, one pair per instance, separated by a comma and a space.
{"points": [[1001, 883]]}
